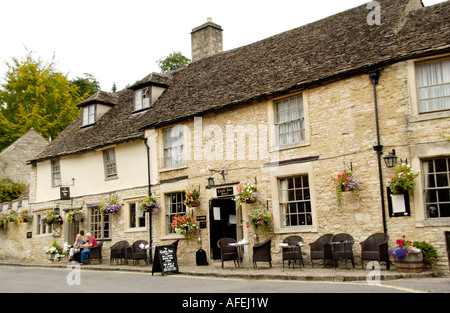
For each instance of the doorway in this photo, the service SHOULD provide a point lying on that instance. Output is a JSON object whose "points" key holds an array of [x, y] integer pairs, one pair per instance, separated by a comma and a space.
{"points": [[223, 223]]}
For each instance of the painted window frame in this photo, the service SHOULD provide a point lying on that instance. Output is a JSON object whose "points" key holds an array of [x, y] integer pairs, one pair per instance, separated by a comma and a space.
{"points": [[89, 113], [110, 163], [173, 208], [55, 166], [442, 67], [172, 144]]}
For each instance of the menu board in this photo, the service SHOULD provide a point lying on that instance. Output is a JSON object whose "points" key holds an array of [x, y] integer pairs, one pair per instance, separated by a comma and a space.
{"points": [[165, 260]]}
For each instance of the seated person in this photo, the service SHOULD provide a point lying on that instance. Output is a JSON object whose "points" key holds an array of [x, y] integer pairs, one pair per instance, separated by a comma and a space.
{"points": [[87, 247], [74, 252]]}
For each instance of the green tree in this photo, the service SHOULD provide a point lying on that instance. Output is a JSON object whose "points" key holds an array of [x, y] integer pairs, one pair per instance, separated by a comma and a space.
{"points": [[172, 62], [10, 190], [87, 85], [35, 95]]}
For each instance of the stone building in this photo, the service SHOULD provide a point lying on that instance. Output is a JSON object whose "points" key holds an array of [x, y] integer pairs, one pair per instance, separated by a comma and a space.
{"points": [[286, 114], [13, 159]]}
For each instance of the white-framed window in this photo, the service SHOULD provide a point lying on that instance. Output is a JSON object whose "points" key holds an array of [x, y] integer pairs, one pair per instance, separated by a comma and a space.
{"points": [[89, 114], [173, 140], [433, 84], [290, 120], [295, 201], [436, 187], [142, 99], [174, 205], [42, 228], [99, 224], [109, 159], [56, 172], [136, 218]]}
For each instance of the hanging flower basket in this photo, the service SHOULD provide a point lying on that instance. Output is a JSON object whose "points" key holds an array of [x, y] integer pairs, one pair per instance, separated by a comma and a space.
{"points": [[112, 207], [25, 217], [192, 198], [74, 216], [149, 204], [345, 182], [3, 222], [246, 194], [48, 218], [403, 180], [261, 221], [184, 224]]}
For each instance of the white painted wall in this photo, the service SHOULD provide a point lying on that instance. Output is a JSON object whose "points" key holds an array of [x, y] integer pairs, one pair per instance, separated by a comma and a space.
{"points": [[89, 173]]}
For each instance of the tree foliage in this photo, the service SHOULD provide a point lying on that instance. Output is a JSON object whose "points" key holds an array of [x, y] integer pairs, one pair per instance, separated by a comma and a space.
{"points": [[87, 85], [172, 62], [10, 190], [36, 95]]}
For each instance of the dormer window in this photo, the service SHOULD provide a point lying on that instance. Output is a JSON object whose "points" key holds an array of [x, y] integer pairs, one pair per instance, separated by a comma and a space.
{"points": [[94, 107], [142, 99], [89, 114]]}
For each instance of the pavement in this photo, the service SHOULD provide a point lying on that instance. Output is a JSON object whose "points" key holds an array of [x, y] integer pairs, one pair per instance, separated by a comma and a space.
{"points": [[262, 271]]}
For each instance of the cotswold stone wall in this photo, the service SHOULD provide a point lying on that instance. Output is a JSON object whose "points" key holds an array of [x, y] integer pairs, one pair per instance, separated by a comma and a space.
{"points": [[341, 132], [13, 159]]}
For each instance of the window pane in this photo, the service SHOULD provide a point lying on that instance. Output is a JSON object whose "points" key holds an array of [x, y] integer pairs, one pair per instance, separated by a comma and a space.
{"points": [[294, 200], [433, 80], [289, 120], [436, 187], [132, 215], [174, 205]]}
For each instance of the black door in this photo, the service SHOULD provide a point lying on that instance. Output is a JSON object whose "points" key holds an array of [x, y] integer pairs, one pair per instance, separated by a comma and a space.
{"points": [[221, 225]]}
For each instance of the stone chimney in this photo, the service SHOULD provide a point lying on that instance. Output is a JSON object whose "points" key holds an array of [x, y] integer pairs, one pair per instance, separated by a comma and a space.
{"points": [[206, 40]]}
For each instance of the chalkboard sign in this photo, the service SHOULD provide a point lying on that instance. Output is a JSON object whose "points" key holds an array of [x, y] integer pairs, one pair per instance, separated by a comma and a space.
{"points": [[165, 260]]}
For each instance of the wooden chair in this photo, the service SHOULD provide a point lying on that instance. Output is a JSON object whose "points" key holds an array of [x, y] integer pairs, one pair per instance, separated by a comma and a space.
{"points": [[118, 251], [321, 249], [262, 252], [375, 248], [96, 253], [228, 253], [137, 253]]}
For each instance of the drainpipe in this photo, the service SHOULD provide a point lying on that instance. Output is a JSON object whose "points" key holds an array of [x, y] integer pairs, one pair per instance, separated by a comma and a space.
{"points": [[374, 76], [149, 194]]}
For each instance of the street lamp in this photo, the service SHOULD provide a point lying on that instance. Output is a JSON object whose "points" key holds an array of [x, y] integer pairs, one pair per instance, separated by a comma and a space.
{"points": [[390, 159], [211, 182]]}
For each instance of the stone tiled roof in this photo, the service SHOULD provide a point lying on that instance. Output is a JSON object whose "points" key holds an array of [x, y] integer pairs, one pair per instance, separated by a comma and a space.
{"points": [[343, 44], [332, 48], [102, 97]]}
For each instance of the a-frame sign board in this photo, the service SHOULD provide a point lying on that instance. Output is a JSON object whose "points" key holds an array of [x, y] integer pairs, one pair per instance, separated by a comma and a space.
{"points": [[165, 260]]}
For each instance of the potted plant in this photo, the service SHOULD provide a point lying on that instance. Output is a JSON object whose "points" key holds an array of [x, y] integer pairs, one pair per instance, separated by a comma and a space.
{"points": [[408, 259], [430, 255], [347, 181], [192, 198], [111, 207], [3, 221], [403, 180], [149, 204], [12, 216], [184, 224], [48, 218], [74, 216], [246, 194], [25, 217], [56, 252], [260, 220]]}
